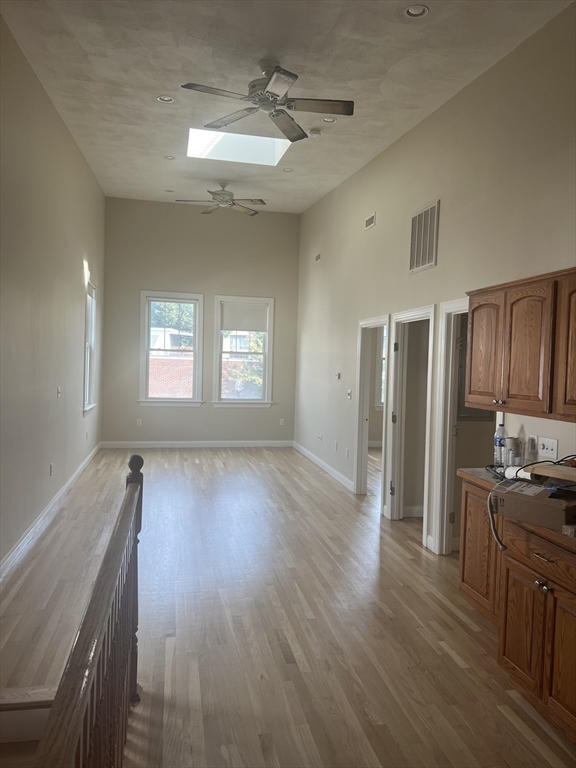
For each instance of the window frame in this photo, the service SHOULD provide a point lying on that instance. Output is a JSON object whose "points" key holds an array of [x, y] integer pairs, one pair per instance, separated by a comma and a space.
{"points": [[146, 297], [266, 400], [89, 396]]}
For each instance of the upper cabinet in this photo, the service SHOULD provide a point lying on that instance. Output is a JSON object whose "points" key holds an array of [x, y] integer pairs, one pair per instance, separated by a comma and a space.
{"points": [[522, 347]]}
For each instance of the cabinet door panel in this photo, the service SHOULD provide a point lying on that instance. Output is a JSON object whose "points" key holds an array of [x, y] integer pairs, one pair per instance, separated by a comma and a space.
{"points": [[565, 373], [521, 635], [484, 363], [528, 337], [477, 549], [559, 690]]}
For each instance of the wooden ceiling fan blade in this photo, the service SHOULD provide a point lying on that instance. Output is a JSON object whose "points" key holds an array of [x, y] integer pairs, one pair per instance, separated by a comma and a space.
{"points": [[249, 201], [280, 83], [322, 106], [214, 91], [223, 121], [211, 209], [243, 209], [287, 125]]}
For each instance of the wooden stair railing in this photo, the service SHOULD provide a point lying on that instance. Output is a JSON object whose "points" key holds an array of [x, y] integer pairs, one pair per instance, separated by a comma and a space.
{"points": [[88, 719]]}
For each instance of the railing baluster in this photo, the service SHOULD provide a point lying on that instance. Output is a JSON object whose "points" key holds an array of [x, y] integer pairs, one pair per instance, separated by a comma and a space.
{"points": [[88, 723]]}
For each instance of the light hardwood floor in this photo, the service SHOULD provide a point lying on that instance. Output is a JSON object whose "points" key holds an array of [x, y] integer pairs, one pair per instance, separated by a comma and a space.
{"points": [[282, 623]]}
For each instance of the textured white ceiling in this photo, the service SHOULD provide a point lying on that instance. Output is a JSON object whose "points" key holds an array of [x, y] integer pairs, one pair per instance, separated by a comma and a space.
{"points": [[103, 63]]}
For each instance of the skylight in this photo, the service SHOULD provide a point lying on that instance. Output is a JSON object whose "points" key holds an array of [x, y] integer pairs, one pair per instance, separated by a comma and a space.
{"points": [[235, 147]]}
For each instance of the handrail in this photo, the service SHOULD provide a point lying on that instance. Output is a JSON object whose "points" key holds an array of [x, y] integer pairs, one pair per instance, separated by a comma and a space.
{"points": [[88, 719]]}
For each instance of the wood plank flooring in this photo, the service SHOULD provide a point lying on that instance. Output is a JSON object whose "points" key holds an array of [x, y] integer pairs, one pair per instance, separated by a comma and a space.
{"points": [[282, 623]]}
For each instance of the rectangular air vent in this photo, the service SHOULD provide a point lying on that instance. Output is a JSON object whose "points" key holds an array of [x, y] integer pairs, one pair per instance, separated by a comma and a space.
{"points": [[370, 222], [424, 241]]}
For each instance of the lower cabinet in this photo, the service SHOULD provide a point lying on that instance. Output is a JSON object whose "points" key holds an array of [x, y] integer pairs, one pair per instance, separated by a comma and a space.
{"points": [[478, 553], [529, 591], [537, 640]]}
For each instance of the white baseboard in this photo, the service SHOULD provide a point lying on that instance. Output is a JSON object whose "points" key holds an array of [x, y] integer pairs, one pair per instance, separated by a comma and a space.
{"points": [[374, 443], [349, 484], [413, 512], [30, 536], [197, 444]]}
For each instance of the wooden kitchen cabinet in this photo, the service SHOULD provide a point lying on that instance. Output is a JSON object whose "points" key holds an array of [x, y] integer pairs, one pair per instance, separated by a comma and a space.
{"points": [[522, 347], [478, 553], [537, 631], [521, 635], [529, 591]]}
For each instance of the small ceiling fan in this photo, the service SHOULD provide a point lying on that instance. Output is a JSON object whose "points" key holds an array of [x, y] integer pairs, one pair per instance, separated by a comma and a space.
{"points": [[223, 198], [268, 94]]}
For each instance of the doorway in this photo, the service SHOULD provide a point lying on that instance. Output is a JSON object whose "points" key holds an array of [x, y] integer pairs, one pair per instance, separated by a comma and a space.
{"points": [[371, 404], [409, 416], [464, 437]]}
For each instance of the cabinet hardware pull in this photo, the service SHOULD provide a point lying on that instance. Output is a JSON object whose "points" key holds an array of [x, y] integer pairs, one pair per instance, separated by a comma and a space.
{"points": [[546, 589], [539, 584], [495, 402], [541, 557]]}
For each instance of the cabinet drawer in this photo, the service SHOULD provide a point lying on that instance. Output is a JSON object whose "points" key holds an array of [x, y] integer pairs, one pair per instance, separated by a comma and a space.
{"points": [[550, 561]]}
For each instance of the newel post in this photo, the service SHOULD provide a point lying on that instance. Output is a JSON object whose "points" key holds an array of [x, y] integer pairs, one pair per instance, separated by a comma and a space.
{"points": [[135, 463]]}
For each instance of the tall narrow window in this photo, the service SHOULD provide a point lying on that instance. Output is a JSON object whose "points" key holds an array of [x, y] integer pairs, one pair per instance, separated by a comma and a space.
{"points": [[89, 352], [243, 365], [171, 364]]}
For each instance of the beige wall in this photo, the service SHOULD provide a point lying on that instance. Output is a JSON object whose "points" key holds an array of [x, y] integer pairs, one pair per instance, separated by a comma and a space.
{"points": [[500, 157], [52, 219], [415, 416], [172, 247]]}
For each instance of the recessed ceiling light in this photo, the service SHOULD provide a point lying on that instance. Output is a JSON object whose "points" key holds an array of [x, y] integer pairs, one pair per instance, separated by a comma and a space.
{"points": [[165, 99], [329, 120], [287, 170], [169, 157], [416, 11]]}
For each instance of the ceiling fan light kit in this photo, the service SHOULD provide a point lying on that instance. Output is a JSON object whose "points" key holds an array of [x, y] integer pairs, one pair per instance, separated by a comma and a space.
{"points": [[268, 94]]}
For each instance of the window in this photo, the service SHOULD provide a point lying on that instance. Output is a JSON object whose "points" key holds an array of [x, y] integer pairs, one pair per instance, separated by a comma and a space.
{"points": [[381, 345], [89, 348], [243, 362], [171, 348]]}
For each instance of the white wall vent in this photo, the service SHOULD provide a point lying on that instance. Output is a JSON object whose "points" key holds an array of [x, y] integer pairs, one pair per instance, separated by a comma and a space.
{"points": [[370, 222], [424, 241], [318, 257]]}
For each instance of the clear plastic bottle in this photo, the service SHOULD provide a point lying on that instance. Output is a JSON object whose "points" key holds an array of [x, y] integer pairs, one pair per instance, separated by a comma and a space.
{"points": [[500, 446]]}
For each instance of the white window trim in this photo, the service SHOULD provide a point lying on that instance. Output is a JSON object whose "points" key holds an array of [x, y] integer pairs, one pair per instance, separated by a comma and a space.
{"points": [[266, 402], [89, 372], [145, 298]]}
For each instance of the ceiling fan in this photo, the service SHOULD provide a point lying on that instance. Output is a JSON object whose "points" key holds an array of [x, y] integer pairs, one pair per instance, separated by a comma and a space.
{"points": [[268, 94], [222, 198]]}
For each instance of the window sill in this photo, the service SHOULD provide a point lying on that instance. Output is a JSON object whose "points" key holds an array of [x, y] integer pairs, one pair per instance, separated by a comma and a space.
{"points": [[240, 404], [88, 408], [169, 403]]}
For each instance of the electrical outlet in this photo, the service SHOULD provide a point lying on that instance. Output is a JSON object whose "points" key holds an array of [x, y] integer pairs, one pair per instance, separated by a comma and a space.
{"points": [[281, 422], [138, 422], [335, 445], [51, 469], [347, 453], [547, 448]]}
